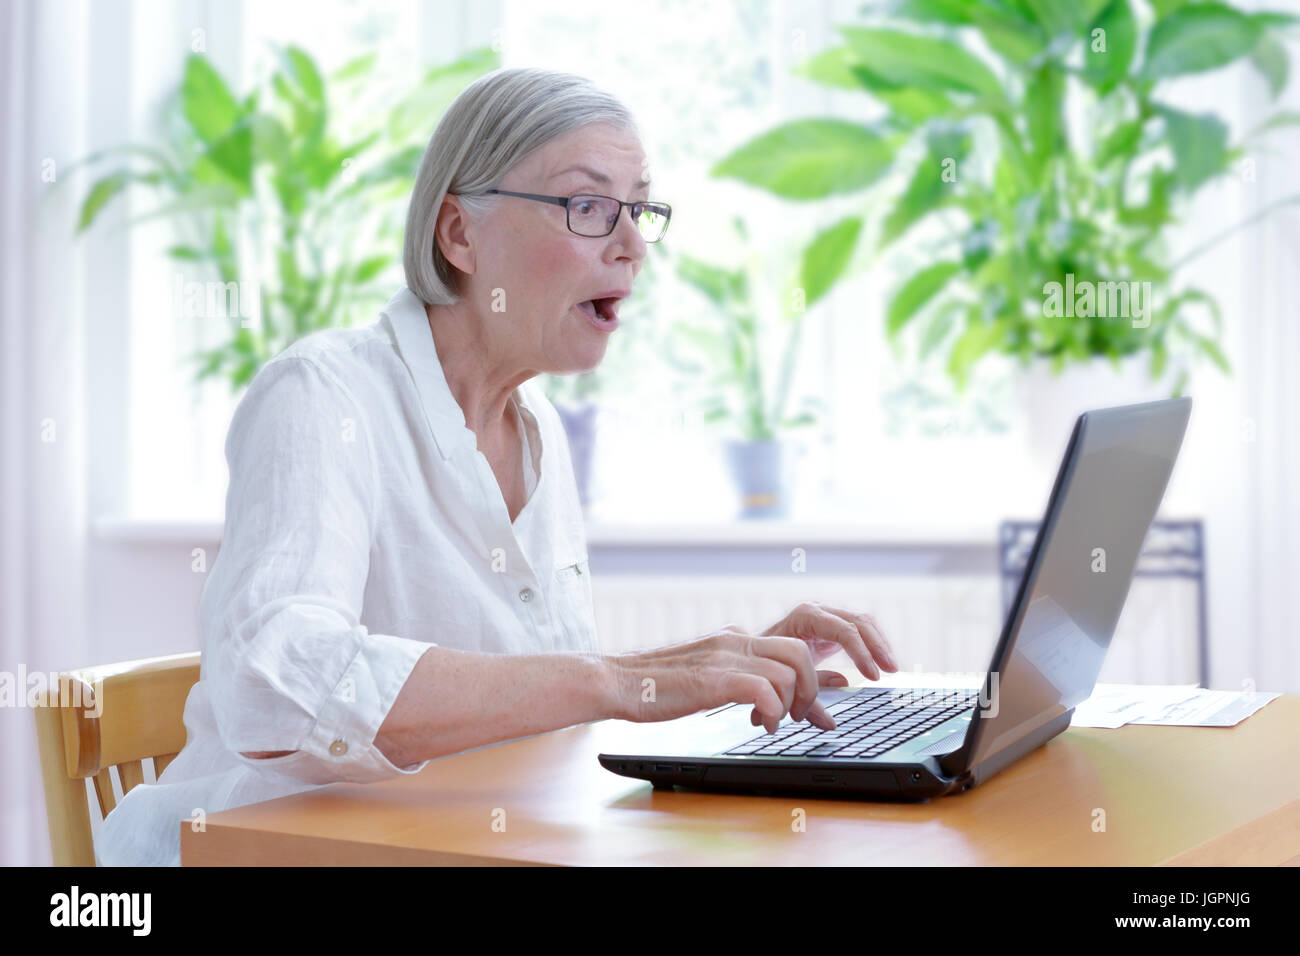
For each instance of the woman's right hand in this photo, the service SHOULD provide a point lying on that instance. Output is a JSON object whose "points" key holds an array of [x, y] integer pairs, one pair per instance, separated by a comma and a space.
{"points": [[775, 674]]}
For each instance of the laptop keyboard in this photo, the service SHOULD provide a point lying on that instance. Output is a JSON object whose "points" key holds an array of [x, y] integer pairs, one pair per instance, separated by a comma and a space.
{"points": [[868, 723]]}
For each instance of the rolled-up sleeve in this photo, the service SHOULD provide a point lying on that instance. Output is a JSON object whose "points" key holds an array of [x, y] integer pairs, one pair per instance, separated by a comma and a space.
{"points": [[289, 665]]}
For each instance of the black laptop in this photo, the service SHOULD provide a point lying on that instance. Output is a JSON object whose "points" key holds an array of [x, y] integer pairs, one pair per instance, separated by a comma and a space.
{"points": [[916, 743]]}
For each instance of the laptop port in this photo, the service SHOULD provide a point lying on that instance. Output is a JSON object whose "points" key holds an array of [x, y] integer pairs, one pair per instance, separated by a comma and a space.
{"points": [[666, 767], [689, 768]]}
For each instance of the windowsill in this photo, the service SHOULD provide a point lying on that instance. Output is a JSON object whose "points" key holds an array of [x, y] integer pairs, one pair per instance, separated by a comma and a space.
{"points": [[144, 530], [127, 529]]}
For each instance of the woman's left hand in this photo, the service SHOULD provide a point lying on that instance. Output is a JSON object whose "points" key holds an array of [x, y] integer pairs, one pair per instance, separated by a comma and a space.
{"points": [[827, 630]]}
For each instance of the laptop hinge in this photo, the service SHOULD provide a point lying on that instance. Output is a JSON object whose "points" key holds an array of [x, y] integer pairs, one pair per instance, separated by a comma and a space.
{"points": [[953, 764], [1013, 752]]}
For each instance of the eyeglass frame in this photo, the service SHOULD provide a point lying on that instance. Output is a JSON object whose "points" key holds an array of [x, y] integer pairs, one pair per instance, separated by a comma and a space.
{"points": [[565, 200]]}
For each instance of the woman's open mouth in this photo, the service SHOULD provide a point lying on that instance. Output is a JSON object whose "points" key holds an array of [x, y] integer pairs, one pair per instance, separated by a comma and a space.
{"points": [[600, 313]]}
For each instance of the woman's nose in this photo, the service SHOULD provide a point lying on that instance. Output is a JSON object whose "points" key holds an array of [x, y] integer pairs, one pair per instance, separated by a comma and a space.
{"points": [[635, 241]]}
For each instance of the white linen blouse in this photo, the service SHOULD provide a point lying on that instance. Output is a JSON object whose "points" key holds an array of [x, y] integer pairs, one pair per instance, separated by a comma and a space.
{"points": [[363, 525]]}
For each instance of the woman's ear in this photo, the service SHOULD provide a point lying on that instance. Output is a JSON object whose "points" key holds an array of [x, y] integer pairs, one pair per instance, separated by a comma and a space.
{"points": [[452, 233]]}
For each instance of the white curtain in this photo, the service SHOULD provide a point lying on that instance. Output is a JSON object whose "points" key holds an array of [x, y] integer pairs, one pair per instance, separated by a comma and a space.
{"points": [[43, 425], [1246, 452], [1271, 370]]}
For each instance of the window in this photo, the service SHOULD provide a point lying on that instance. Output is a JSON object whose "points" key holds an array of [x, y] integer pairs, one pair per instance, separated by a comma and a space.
{"points": [[892, 445], [177, 462]]}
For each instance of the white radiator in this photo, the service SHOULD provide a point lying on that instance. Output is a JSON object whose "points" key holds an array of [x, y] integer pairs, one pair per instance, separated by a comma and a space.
{"points": [[935, 624]]}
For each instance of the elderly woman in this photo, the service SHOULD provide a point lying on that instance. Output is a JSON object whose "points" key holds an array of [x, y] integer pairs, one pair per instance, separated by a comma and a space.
{"points": [[403, 573]]}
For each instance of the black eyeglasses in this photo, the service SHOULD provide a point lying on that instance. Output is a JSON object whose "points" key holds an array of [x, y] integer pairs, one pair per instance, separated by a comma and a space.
{"points": [[596, 216]]}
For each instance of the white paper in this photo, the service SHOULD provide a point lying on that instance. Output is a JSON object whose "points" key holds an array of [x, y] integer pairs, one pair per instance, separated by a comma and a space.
{"points": [[1114, 705], [1211, 708]]}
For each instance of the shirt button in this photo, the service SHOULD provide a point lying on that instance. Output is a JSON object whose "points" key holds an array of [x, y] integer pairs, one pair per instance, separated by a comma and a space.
{"points": [[338, 748], [526, 594]]}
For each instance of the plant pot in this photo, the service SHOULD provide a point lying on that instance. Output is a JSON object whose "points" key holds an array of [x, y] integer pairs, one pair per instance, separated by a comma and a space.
{"points": [[580, 427], [762, 473], [1052, 403]]}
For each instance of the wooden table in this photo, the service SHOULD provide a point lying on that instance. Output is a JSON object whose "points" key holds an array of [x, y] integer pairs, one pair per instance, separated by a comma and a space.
{"points": [[1171, 795]]}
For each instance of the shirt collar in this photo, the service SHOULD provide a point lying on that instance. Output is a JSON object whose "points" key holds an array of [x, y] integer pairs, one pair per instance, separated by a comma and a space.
{"points": [[410, 324]]}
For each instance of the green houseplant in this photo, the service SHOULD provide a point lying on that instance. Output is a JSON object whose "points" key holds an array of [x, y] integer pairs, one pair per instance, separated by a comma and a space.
{"points": [[725, 355], [976, 131], [292, 195]]}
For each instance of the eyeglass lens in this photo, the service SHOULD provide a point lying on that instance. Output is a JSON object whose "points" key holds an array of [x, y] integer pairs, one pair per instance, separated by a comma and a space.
{"points": [[597, 215]]}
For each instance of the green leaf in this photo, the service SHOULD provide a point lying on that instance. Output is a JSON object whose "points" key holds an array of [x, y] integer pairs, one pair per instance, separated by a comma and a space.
{"points": [[355, 68], [1155, 212], [717, 284], [976, 246], [1198, 37], [1199, 143], [807, 418], [299, 85], [914, 105], [1159, 358], [1103, 69], [977, 340], [243, 342], [229, 158], [435, 93], [1211, 348], [911, 104], [305, 74], [1273, 18], [925, 192], [1281, 118], [940, 11], [101, 193], [1061, 17], [908, 59], [938, 329], [1009, 35], [1121, 143], [367, 269], [916, 291], [244, 372], [831, 67], [1198, 295], [271, 143], [1270, 58], [212, 362], [1043, 99], [826, 256], [397, 168], [187, 253], [206, 100], [810, 159]]}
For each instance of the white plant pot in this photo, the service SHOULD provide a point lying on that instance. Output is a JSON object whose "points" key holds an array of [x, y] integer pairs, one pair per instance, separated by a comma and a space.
{"points": [[1052, 403]]}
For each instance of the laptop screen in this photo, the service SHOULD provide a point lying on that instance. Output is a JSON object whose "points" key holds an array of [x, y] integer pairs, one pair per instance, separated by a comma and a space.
{"points": [[1055, 638]]}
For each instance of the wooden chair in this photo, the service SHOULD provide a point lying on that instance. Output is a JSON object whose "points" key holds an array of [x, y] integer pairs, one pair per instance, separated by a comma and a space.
{"points": [[139, 716]]}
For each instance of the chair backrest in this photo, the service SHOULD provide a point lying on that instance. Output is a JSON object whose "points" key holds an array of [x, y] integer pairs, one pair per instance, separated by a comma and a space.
{"points": [[97, 718]]}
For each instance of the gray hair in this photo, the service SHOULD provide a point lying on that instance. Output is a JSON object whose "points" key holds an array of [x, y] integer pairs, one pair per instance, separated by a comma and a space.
{"points": [[493, 124]]}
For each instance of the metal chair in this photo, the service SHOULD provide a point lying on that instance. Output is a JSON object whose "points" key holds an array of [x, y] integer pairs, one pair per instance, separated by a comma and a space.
{"points": [[1172, 549]]}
